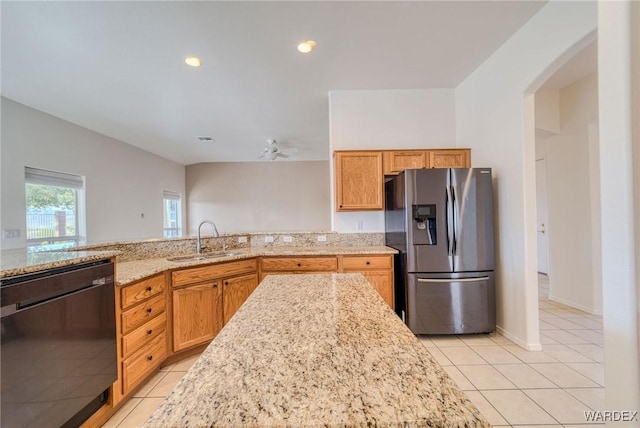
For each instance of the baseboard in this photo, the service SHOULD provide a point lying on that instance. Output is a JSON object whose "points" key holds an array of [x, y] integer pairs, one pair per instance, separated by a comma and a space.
{"points": [[574, 305], [518, 341]]}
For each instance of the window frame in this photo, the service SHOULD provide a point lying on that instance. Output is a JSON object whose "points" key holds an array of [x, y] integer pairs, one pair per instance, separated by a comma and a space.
{"points": [[43, 177], [168, 195]]}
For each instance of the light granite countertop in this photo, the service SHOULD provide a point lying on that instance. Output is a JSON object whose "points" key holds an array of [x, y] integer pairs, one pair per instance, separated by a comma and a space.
{"points": [[316, 350], [20, 261], [128, 272]]}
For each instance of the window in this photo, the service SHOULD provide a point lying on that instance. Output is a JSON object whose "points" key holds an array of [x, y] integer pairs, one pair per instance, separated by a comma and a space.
{"points": [[55, 209], [172, 214]]}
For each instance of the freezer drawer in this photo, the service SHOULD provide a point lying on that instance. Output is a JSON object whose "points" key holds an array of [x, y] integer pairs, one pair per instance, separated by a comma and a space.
{"points": [[439, 304]]}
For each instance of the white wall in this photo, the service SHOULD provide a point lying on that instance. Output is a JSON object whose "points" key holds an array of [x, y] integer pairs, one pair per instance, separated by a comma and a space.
{"points": [[548, 111], [618, 33], [122, 181], [259, 196], [572, 172], [387, 119], [494, 117]]}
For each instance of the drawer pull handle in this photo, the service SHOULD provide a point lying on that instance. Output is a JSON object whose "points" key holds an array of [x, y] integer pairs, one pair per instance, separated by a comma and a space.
{"points": [[149, 310], [148, 290], [150, 357], [149, 331]]}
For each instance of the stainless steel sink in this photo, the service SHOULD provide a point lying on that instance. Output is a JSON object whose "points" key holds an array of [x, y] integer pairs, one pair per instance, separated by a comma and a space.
{"points": [[198, 257]]}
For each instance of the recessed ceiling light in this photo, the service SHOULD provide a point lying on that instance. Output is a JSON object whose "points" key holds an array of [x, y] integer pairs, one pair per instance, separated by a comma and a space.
{"points": [[206, 139], [193, 61], [306, 47]]}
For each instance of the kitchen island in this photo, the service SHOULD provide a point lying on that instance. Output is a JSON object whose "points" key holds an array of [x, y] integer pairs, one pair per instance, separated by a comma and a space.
{"points": [[316, 350]]}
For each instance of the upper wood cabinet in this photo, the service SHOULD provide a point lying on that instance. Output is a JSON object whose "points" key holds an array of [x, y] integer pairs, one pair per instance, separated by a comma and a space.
{"points": [[396, 161], [459, 158], [359, 180]]}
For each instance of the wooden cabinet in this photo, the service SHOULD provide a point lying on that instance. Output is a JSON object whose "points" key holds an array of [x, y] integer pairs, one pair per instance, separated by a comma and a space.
{"points": [[197, 314], [394, 162], [206, 297], [142, 332], [139, 366], [297, 264], [453, 158], [235, 292], [359, 180], [378, 269], [359, 175]]}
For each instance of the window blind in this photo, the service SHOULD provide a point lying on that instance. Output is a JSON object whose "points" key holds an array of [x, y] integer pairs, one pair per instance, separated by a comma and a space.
{"points": [[52, 178], [172, 196]]}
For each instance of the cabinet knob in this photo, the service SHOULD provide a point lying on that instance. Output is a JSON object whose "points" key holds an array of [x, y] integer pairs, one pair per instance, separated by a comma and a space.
{"points": [[150, 357], [226, 283], [149, 310], [215, 285], [149, 331], [299, 264], [148, 290], [368, 262]]}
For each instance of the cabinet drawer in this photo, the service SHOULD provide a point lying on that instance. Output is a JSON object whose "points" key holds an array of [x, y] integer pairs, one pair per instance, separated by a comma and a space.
{"points": [[359, 263], [142, 313], [135, 293], [141, 364], [300, 264], [142, 335], [205, 273]]}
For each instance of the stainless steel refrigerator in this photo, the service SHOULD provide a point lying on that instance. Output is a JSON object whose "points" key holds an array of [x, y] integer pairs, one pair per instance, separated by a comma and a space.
{"points": [[441, 222]]}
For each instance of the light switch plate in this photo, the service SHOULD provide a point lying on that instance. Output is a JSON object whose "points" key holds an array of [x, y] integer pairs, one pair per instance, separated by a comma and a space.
{"points": [[10, 233]]}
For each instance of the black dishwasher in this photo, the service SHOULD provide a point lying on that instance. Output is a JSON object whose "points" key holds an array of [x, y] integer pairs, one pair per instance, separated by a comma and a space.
{"points": [[58, 345]]}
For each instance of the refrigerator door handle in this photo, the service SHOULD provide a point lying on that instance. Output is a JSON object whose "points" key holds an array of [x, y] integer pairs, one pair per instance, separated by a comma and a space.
{"points": [[482, 278], [449, 218], [456, 221]]}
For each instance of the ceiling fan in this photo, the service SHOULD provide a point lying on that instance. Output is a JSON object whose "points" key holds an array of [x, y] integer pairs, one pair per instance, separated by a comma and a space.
{"points": [[272, 152]]}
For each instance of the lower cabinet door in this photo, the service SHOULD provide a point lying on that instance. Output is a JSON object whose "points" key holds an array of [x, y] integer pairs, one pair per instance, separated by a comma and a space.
{"points": [[143, 362], [235, 292], [382, 281], [197, 314]]}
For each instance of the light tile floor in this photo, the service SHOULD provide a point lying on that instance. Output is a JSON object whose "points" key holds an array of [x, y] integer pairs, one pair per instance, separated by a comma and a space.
{"points": [[509, 385]]}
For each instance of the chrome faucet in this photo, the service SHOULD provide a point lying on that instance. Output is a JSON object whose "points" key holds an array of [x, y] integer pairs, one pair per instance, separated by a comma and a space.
{"points": [[198, 240]]}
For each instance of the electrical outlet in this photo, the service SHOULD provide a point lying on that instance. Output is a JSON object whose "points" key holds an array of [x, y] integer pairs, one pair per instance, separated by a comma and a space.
{"points": [[268, 239], [287, 239], [242, 239], [10, 233], [359, 225], [322, 238]]}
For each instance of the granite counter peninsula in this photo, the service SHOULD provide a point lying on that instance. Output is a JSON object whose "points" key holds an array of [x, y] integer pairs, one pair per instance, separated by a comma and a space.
{"points": [[316, 350]]}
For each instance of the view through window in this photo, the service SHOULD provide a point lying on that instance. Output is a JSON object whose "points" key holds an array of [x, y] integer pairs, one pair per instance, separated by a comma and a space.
{"points": [[172, 214], [54, 208]]}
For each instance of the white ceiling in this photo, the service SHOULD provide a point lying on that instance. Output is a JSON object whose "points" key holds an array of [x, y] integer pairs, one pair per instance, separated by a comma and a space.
{"points": [[117, 67]]}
